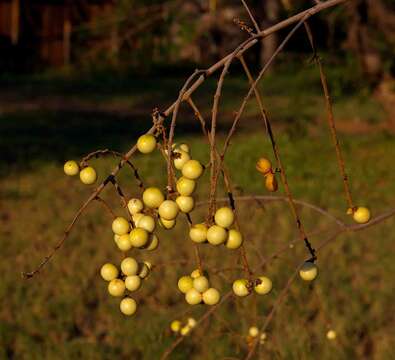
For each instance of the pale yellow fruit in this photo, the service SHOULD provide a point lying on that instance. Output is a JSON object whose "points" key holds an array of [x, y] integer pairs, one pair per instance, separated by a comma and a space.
{"points": [[139, 237], [71, 168], [168, 210], [271, 182], [185, 330], [201, 284], [129, 266], [224, 217], [135, 206], [109, 272], [185, 187], [192, 169], [136, 218], [253, 331], [198, 233], [120, 226], [184, 147], [124, 243], [193, 297], [116, 238], [196, 273], [167, 224], [175, 326], [88, 175], [234, 240], [331, 335], [185, 283], [128, 306], [262, 338], [146, 222], [153, 242], [181, 157], [191, 322], [264, 287], [308, 271], [240, 287], [185, 203], [132, 282], [116, 287], [211, 296], [153, 197], [264, 165], [216, 235], [361, 215], [144, 269], [146, 143]]}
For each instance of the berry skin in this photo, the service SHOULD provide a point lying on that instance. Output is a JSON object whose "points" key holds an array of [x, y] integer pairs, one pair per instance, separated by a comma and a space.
{"points": [[116, 287], [181, 158], [196, 273], [361, 215], [185, 283], [88, 175], [128, 306], [253, 331], [153, 242], [201, 284], [185, 187], [271, 182], [216, 235], [153, 197], [175, 326], [135, 206], [146, 143], [120, 226], [264, 166], [109, 272], [191, 322], [211, 296], [262, 338], [168, 210], [308, 271], [331, 335], [264, 287], [129, 266], [185, 330], [185, 203], [198, 233], [234, 240], [224, 217], [167, 224], [146, 222], [184, 147], [136, 218], [71, 168], [132, 282], [139, 237], [240, 287], [193, 297], [192, 169], [124, 243], [144, 269]]}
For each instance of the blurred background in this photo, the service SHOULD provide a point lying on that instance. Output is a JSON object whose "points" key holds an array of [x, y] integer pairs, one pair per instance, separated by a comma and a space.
{"points": [[77, 76]]}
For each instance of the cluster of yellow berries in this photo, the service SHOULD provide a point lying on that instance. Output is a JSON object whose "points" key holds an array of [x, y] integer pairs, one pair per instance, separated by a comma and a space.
{"points": [[128, 279], [88, 174], [264, 166], [243, 287], [253, 333], [181, 328], [196, 288]]}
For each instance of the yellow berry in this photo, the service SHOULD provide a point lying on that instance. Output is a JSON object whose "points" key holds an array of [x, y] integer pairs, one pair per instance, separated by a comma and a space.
{"points": [[240, 287], [253, 331], [264, 287], [120, 226], [201, 284], [262, 338], [132, 282], [193, 297], [168, 210], [128, 306], [211, 296], [185, 283], [191, 322], [192, 169], [308, 271], [175, 326], [144, 269], [331, 335], [167, 224], [181, 157], [198, 233], [153, 242], [216, 235], [196, 273], [153, 197], [138, 237], [184, 147], [124, 243], [71, 168], [146, 222], [263, 165], [88, 175], [361, 215], [135, 206], [271, 182], [224, 217], [136, 218], [116, 287], [185, 187], [129, 266], [109, 272], [234, 240], [185, 203], [146, 143], [185, 330]]}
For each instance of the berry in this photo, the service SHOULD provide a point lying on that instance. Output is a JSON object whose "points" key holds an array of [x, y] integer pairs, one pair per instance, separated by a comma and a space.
{"points": [[211, 296], [185, 203], [132, 282], [175, 326], [253, 331], [146, 143], [331, 335], [271, 182], [224, 217], [264, 287], [71, 168], [193, 297], [181, 157], [201, 284], [198, 233], [262, 338], [120, 226], [88, 175], [138, 237], [153, 242], [191, 322], [216, 235], [264, 166], [135, 206], [129, 266], [153, 197], [136, 218], [144, 269], [185, 330], [361, 215], [167, 224], [128, 306], [196, 273], [184, 147], [185, 187], [240, 287], [116, 287], [168, 210], [308, 271], [185, 283], [234, 240], [192, 169], [146, 222], [109, 272], [124, 243]]}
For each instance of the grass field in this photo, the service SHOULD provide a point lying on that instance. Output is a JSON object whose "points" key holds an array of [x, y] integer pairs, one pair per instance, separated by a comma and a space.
{"points": [[66, 313]]}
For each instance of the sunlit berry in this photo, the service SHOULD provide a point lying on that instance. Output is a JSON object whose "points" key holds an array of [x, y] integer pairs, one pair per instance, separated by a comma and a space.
{"points": [[201, 284], [124, 243], [175, 326], [71, 168], [185, 203], [308, 271], [191, 322], [234, 240], [192, 169], [153, 242], [167, 224], [193, 297], [129, 266], [240, 287], [216, 235], [198, 233], [153, 197], [224, 217], [211, 296], [132, 282], [88, 175], [135, 206], [264, 287], [168, 210], [116, 287], [184, 147], [109, 272], [331, 335], [180, 158], [136, 218], [146, 222], [271, 182], [146, 143], [185, 187], [120, 226], [185, 283], [253, 331], [264, 166], [128, 306], [139, 237], [196, 273], [361, 215], [185, 330], [262, 338]]}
